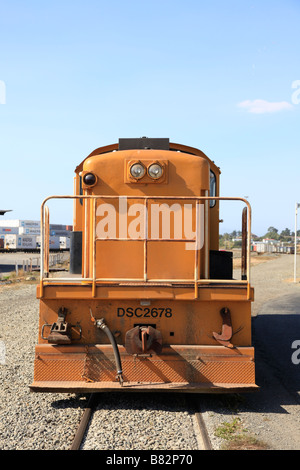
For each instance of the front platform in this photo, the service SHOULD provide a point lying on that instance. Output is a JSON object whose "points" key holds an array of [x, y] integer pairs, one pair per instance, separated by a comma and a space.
{"points": [[196, 369], [98, 387]]}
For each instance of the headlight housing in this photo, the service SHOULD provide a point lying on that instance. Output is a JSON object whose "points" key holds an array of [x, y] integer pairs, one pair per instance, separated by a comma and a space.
{"points": [[89, 179], [137, 170], [155, 171]]}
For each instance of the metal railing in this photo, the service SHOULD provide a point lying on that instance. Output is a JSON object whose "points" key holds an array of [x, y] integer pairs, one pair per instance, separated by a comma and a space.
{"points": [[91, 254]]}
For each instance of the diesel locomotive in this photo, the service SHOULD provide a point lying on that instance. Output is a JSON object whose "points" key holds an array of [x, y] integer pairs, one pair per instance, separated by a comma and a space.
{"points": [[150, 302]]}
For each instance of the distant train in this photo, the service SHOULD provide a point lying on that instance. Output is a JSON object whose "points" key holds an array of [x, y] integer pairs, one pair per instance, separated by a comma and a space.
{"points": [[151, 303], [31, 243], [25, 235]]}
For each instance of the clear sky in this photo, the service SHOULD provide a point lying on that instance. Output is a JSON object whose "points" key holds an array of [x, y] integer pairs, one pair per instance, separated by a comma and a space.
{"points": [[216, 75]]}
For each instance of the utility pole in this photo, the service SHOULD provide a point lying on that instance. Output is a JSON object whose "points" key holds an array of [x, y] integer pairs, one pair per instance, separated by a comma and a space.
{"points": [[295, 254]]}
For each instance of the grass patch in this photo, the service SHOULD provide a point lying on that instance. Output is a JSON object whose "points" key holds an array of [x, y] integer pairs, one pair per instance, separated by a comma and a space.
{"points": [[236, 437], [22, 276], [241, 442], [228, 429]]}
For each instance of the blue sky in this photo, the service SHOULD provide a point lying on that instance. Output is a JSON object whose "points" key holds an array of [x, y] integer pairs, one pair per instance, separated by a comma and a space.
{"points": [[215, 75]]}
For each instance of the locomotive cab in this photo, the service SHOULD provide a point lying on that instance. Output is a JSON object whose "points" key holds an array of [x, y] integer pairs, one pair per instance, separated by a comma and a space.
{"points": [[150, 302]]}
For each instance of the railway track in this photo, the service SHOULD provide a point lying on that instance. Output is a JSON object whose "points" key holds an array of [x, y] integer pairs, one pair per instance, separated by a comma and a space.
{"points": [[201, 425], [87, 416], [84, 422]]}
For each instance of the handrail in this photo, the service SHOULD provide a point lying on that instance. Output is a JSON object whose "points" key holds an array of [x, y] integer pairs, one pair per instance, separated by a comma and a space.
{"points": [[196, 280]]}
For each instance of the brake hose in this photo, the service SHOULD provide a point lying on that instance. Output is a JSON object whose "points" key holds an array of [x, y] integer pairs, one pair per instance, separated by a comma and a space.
{"points": [[101, 324]]}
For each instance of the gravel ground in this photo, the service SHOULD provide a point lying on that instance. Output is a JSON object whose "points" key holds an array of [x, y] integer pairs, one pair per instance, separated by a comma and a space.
{"points": [[28, 420], [271, 415], [34, 421], [159, 424], [31, 421]]}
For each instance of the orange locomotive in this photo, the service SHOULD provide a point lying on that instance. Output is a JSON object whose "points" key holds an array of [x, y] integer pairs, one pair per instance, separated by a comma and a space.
{"points": [[150, 302]]}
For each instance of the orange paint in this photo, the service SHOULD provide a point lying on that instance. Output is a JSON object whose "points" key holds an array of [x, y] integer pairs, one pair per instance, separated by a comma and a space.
{"points": [[139, 268]]}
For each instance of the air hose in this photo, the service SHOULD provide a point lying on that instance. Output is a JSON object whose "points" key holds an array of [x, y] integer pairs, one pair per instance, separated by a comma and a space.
{"points": [[101, 324]]}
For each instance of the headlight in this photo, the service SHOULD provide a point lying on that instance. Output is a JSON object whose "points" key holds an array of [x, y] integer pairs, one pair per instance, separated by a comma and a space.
{"points": [[155, 171], [89, 179], [137, 170]]}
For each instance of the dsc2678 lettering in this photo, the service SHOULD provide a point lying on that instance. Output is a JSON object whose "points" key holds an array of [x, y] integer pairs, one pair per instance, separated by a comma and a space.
{"points": [[145, 312]]}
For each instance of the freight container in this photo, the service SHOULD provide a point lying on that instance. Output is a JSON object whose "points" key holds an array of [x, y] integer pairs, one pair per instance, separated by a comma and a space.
{"points": [[26, 242], [9, 230], [29, 230], [64, 243], [54, 243], [20, 242], [264, 248], [57, 227], [9, 223], [30, 223], [60, 233], [19, 223], [10, 242]]}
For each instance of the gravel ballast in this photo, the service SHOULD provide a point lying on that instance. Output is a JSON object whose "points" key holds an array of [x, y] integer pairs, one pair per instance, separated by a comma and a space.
{"points": [[35, 421], [28, 420]]}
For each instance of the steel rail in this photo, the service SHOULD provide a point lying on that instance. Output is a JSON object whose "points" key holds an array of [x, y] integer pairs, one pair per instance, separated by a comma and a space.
{"points": [[87, 414], [201, 425], [78, 438]]}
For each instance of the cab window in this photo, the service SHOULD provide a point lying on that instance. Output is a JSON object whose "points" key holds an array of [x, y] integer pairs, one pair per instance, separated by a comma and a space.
{"points": [[212, 188]]}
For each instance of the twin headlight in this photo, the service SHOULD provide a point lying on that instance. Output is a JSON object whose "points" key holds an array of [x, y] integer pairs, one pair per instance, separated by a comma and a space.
{"points": [[138, 170]]}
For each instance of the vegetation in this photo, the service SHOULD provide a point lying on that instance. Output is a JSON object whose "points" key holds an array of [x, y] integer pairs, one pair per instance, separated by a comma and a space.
{"points": [[13, 278], [236, 437], [234, 239]]}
